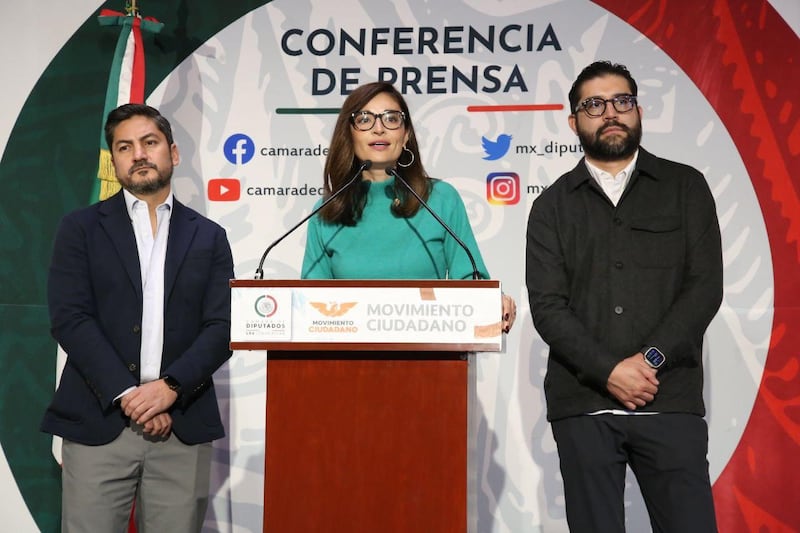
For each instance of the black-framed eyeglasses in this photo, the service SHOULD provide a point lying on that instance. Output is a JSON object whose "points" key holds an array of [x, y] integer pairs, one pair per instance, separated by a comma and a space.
{"points": [[365, 120], [596, 106]]}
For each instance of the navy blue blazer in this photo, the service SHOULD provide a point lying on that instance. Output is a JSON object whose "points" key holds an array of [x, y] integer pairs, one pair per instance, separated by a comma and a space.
{"points": [[94, 295]]}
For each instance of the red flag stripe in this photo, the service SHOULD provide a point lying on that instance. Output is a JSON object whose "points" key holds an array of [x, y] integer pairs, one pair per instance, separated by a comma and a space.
{"points": [[137, 77]]}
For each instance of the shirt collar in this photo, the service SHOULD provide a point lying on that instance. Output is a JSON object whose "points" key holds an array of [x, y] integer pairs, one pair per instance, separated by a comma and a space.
{"points": [[131, 201], [598, 173], [580, 174]]}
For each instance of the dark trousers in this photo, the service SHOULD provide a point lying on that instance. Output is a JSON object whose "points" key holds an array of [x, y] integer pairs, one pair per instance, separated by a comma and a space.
{"points": [[668, 454]]}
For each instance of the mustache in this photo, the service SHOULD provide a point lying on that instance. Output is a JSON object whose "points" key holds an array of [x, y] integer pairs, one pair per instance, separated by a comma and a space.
{"points": [[143, 164], [613, 124]]}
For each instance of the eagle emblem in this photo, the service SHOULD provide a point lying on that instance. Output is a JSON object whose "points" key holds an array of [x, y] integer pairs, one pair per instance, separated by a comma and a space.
{"points": [[333, 309]]}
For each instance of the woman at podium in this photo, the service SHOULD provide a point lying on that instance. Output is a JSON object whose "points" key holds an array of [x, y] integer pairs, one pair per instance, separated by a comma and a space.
{"points": [[382, 216]]}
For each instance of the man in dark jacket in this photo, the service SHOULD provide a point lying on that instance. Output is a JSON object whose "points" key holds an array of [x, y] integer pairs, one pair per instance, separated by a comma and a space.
{"points": [[624, 274], [139, 300]]}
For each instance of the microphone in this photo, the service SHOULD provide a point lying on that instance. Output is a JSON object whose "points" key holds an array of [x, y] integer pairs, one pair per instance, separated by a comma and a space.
{"points": [[364, 166], [475, 274]]}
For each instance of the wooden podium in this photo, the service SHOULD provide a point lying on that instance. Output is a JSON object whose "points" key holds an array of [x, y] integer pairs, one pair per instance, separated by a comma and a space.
{"points": [[370, 390]]}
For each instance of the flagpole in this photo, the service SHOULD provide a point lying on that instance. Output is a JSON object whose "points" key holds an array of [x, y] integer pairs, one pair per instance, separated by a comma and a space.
{"points": [[132, 9]]}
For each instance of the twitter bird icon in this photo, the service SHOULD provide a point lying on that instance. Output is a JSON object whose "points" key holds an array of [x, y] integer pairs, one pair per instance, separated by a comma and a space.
{"points": [[496, 149]]}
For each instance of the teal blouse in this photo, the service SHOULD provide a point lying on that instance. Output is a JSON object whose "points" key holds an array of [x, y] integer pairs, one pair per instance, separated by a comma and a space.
{"points": [[383, 246]]}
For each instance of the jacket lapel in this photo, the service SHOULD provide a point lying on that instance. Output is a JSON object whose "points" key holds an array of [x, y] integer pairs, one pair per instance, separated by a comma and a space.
{"points": [[116, 222], [182, 227]]}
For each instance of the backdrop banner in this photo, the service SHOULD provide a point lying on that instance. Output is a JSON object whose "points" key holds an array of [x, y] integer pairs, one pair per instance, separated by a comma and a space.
{"points": [[252, 89]]}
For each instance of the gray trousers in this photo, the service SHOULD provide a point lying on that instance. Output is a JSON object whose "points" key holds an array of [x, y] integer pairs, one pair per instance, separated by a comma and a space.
{"points": [[168, 479]]}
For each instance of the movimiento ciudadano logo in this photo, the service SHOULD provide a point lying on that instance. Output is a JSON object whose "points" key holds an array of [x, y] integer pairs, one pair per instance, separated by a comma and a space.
{"points": [[239, 149], [333, 309]]}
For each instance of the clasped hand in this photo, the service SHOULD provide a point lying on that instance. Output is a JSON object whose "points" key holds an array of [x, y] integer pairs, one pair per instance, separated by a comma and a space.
{"points": [[147, 404], [633, 382]]}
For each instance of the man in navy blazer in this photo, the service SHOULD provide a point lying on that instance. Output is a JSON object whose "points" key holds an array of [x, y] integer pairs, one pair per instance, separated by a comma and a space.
{"points": [[139, 300]]}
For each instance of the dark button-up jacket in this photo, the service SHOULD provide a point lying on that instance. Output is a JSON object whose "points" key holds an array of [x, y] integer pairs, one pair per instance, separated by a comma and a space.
{"points": [[605, 282]]}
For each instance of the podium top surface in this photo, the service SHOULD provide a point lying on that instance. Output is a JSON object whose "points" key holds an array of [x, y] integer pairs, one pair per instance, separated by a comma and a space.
{"points": [[366, 315], [488, 283]]}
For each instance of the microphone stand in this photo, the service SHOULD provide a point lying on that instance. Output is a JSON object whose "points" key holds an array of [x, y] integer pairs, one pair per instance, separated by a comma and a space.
{"points": [[364, 166], [475, 274]]}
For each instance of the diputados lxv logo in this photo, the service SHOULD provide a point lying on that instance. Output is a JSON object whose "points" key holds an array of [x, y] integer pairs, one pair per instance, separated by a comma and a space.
{"points": [[266, 306], [502, 188], [239, 149]]}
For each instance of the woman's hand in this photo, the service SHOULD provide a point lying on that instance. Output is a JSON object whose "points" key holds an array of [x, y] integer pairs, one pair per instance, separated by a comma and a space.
{"points": [[509, 312]]}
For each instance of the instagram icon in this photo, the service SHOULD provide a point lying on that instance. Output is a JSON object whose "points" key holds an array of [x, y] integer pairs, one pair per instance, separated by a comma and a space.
{"points": [[502, 188]]}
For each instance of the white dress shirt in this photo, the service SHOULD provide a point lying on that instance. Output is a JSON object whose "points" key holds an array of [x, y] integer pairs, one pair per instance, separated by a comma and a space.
{"points": [[152, 255], [613, 186]]}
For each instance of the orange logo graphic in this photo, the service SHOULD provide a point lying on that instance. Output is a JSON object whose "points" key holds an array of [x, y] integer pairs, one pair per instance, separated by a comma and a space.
{"points": [[333, 308]]}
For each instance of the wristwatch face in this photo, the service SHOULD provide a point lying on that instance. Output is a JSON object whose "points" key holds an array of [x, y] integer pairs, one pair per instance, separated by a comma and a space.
{"points": [[654, 357], [171, 383]]}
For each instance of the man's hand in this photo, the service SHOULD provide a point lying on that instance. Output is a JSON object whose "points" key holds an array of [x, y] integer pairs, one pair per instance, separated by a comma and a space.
{"points": [[158, 426], [148, 400], [633, 382]]}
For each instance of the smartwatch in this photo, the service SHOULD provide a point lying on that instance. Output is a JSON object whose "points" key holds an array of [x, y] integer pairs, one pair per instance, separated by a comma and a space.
{"points": [[654, 357]]}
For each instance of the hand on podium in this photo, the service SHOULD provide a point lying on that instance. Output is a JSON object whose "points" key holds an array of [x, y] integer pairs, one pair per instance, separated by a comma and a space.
{"points": [[509, 312]]}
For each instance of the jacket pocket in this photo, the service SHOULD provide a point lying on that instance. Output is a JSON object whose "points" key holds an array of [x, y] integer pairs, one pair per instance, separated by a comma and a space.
{"points": [[657, 241]]}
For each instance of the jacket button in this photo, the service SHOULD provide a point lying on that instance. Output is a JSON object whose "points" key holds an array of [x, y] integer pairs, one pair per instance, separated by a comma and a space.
{"points": [[618, 264], [137, 328], [132, 367], [618, 310]]}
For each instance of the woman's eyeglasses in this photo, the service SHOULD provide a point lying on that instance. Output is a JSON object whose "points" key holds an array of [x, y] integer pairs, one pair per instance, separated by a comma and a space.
{"points": [[365, 120]]}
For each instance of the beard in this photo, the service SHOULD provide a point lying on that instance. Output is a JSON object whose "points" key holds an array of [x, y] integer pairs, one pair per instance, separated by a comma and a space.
{"points": [[614, 148], [145, 185]]}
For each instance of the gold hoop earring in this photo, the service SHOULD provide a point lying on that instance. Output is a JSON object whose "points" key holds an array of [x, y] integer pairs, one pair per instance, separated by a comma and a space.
{"points": [[399, 164]]}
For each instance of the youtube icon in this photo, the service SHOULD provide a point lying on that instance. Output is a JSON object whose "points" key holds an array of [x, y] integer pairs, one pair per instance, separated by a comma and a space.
{"points": [[224, 189]]}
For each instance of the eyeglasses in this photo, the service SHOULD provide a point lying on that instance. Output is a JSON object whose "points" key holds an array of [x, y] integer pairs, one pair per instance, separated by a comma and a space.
{"points": [[365, 120], [596, 106]]}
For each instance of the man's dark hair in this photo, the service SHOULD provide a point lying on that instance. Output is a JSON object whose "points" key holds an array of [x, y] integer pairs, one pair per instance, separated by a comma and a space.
{"points": [[599, 69], [126, 111]]}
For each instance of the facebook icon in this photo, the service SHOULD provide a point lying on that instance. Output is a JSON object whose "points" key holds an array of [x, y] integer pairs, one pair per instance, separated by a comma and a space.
{"points": [[239, 149]]}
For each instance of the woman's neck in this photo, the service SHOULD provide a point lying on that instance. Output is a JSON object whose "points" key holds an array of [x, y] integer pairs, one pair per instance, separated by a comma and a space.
{"points": [[375, 175]]}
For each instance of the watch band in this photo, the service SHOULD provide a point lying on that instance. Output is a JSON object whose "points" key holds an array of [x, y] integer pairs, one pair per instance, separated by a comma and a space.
{"points": [[173, 384]]}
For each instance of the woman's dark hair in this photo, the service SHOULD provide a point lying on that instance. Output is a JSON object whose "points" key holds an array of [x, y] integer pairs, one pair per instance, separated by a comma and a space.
{"points": [[342, 163], [598, 69]]}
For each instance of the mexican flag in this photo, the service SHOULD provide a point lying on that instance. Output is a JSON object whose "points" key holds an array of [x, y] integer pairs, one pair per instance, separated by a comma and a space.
{"points": [[125, 85]]}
